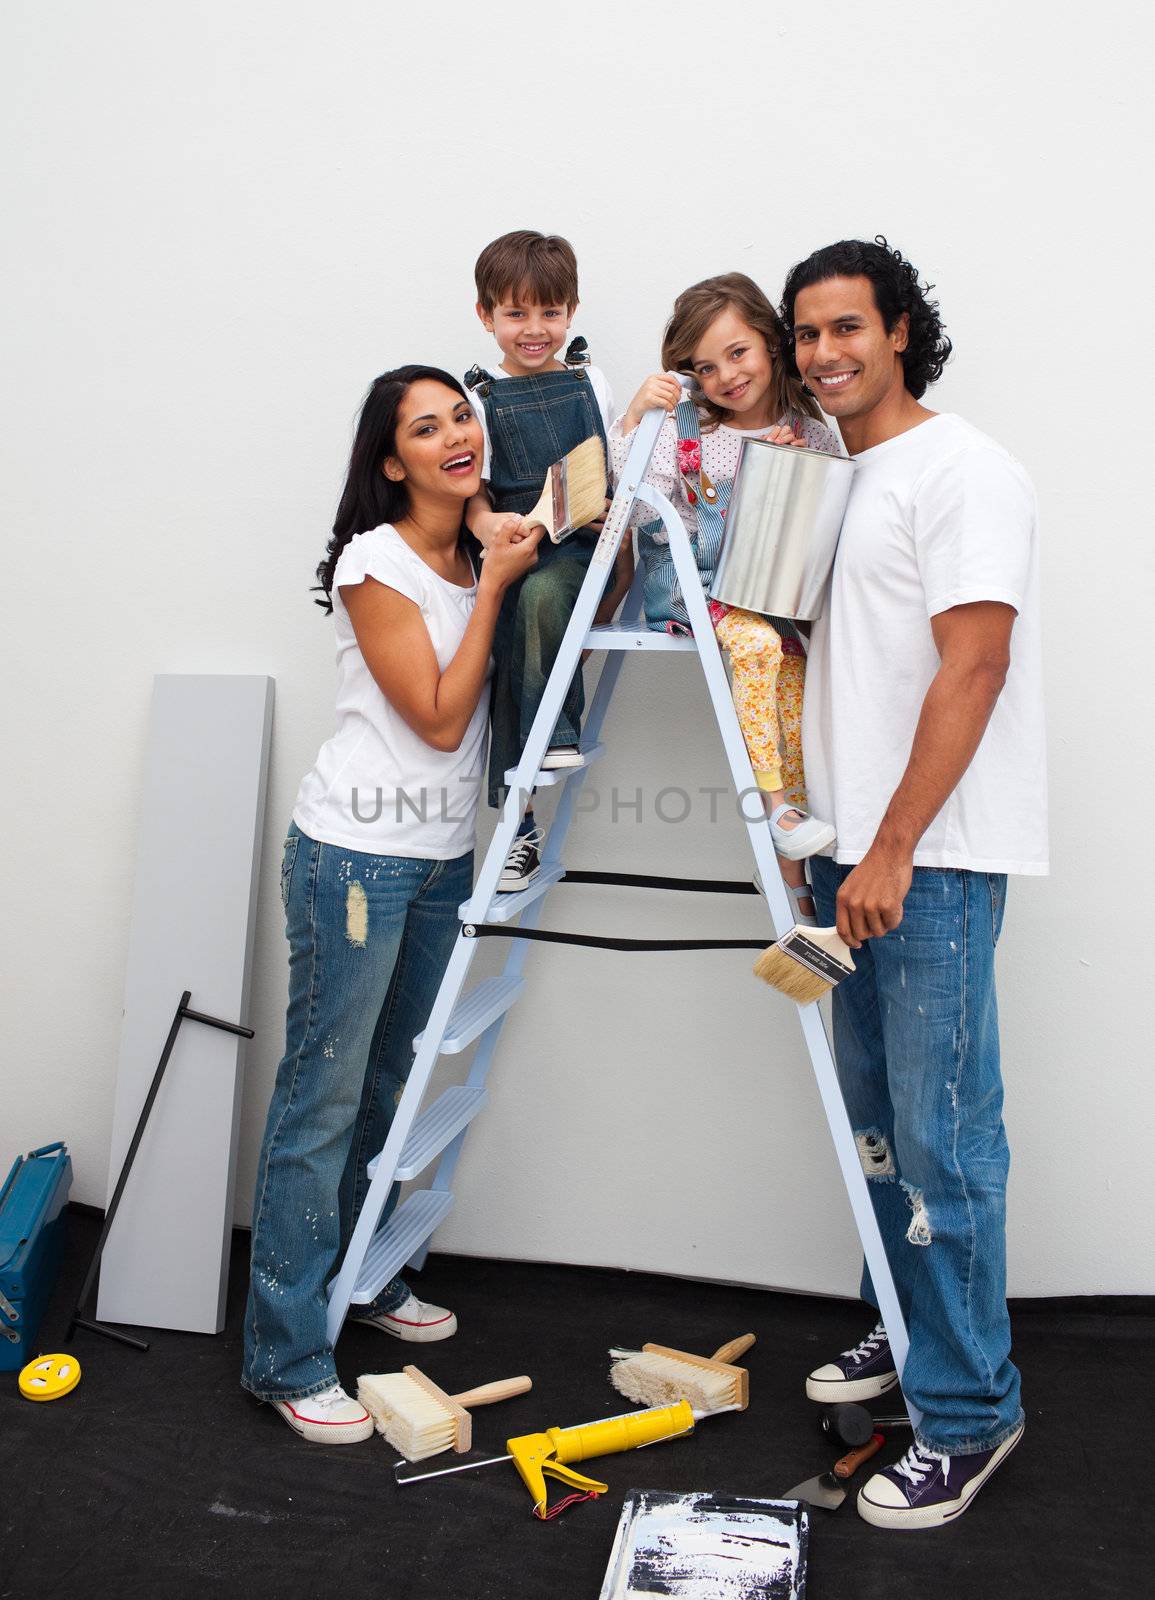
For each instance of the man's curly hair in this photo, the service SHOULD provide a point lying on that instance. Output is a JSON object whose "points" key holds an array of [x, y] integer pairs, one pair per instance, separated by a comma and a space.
{"points": [[896, 289]]}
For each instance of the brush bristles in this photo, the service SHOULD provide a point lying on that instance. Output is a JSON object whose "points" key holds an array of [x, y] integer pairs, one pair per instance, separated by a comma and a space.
{"points": [[585, 468], [411, 1419], [790, 976], [653, 1380]]}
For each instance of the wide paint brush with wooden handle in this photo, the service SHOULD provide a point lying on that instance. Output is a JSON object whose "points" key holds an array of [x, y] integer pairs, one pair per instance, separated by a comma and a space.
{"points": [[574, 493]]}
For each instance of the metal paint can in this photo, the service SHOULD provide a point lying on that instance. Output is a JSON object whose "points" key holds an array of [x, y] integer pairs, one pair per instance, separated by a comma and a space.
{"points": [[782, 528]]}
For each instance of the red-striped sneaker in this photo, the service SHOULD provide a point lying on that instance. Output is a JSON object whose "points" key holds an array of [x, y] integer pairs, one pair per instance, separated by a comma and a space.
{"points": [[330, 1417], [414, 1321]]}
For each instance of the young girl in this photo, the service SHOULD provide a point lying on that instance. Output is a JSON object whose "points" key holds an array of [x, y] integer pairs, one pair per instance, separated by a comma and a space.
{"points": [[727, 334], [375, 866]]}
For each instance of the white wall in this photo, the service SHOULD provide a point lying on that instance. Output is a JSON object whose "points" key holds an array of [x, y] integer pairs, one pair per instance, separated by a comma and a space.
{"points": [[224, 219]]}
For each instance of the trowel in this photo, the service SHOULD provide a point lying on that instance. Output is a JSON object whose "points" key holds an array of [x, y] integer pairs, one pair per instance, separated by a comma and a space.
{"points": [[828, 1491]]}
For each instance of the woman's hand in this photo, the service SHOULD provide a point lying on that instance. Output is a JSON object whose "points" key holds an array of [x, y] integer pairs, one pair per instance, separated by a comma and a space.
{"points": [[661, 391], [786, 433], [485, 526], [511, 553]]}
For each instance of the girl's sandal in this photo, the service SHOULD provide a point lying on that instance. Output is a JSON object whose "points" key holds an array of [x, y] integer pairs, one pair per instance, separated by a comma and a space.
{"points": [[806, 838], [798, 893]]}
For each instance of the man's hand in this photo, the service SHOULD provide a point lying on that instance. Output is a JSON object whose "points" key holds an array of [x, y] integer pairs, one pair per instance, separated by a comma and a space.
{"points": [[870, 901]]}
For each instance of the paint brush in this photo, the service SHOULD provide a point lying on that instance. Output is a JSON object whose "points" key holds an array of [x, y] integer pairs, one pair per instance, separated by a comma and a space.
{"points": [[658, 1376], [574, 493], [806, 963], [421, 1420]]}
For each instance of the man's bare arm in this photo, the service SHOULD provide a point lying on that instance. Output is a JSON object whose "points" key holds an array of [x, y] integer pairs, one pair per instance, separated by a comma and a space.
{"points": [[974, 647]]}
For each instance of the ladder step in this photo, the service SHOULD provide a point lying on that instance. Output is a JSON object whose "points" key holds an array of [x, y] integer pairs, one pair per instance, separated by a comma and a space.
{"points": [[414, 1220], [436, 1127], [504, 907], [625, 636], [474, 1012], [558, 774]]}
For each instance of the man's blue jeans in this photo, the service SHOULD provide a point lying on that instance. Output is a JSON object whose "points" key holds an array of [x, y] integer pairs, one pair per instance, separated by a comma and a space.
{"points": [[369, 937], [916, 1041]]}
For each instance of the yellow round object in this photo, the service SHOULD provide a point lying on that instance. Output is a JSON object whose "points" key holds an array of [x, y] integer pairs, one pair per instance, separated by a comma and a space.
{"points": [[49, 1377]]}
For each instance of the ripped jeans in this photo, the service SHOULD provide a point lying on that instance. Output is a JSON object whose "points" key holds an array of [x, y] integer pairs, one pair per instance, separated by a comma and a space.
{"points": [[916, 1043], [369, 937]]}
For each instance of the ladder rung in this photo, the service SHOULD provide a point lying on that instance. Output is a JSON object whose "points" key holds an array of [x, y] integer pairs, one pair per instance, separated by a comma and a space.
{"points": [[504, 907], [558, 774], [414, 1220], [624, 636], [474, 1012], [437, 1127]]}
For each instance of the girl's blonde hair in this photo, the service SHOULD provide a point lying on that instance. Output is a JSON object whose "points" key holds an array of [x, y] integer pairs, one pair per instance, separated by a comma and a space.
{"points": [[696, 308]]}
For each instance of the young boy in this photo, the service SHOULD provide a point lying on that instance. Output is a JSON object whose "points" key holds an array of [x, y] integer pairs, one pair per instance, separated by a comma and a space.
{"points": [[535, 406]]}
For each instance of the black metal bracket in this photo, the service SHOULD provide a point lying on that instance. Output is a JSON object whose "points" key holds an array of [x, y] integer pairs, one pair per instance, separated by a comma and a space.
{"points": [[183, 1012]]}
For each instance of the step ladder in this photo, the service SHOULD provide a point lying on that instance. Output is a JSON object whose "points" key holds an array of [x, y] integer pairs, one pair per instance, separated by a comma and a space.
{"points": [[417, 1137]]}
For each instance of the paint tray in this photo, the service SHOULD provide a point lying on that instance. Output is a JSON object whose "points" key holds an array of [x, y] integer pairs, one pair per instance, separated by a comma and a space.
{"points": [[708, 1547]]}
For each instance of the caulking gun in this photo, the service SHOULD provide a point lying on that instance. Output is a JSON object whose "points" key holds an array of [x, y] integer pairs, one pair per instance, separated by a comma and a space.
{"points": [[538, 1456]]}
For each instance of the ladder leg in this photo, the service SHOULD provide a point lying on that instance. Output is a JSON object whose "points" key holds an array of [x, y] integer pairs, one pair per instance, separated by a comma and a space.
{"points": [[344, 1284], [519, 948], [813, 1028]]}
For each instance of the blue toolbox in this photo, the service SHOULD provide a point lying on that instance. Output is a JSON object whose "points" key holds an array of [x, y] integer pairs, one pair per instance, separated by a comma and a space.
{"points": [[31, 1244]]}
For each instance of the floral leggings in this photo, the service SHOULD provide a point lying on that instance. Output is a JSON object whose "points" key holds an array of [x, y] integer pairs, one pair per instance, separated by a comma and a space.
{"points": [[769, 673]]}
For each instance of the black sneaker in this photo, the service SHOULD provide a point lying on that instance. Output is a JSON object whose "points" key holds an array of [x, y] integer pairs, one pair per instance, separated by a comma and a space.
{"points": [[523, 862], [859, 1374], [925, 1490]]}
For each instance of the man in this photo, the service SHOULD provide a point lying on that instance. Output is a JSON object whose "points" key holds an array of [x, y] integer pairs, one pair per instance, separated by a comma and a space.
{"points": [[923, 732]]}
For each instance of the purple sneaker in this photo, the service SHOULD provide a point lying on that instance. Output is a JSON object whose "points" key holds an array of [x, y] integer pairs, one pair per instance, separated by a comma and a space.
{"points": [[925, 1490], [859, 1374]]}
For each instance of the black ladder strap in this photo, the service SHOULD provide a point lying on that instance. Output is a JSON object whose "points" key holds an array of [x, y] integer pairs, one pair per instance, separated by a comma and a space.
{"points": [[640, 880], [502, 930]]}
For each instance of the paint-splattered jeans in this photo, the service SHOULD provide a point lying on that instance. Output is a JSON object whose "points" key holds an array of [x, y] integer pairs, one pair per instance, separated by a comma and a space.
{"points": [[369, 937], [916, 1040]]}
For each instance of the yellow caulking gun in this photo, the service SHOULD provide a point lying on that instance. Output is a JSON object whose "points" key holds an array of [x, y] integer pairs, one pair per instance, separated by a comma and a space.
{"points": [[538, 1456]]}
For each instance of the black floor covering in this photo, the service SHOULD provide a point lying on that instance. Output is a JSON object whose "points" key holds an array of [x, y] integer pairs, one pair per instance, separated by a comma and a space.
{"points": [[159, 1477]]}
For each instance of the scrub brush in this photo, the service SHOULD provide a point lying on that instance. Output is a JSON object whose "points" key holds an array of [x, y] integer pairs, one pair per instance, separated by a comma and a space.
{"points": [[421, 1420], [657, 1376]]}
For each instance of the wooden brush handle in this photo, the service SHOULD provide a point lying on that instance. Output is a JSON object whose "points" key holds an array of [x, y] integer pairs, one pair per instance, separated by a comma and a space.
{"points": [[853, 1459], [485, 1394], [737, 1347]]}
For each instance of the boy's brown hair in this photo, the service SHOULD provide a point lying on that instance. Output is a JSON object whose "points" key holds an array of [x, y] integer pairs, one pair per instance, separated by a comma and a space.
{"points": [[538, 268], [694, 311]]}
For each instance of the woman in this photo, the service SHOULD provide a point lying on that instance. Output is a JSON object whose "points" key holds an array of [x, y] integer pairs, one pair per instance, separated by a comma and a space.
{"points": [[377, 860]]}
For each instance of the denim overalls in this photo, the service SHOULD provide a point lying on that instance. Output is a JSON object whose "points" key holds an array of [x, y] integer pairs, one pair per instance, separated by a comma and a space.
{"points": [[533, 422]]}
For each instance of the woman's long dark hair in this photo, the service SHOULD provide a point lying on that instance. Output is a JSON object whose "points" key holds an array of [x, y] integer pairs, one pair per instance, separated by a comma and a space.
{"points": [[369, 498]]}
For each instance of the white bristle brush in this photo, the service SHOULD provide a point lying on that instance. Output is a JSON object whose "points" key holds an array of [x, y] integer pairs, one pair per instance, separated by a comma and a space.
{"points": [[806, 963], [657, 1376], [575, 491], [421, 1420]]}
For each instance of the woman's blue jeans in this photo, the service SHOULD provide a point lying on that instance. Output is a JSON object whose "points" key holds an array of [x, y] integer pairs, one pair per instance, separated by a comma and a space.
{"points": [[916, 1041], [369, 937]]}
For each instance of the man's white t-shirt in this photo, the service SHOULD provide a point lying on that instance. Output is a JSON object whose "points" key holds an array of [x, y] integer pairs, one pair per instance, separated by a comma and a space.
{"points": [[376, 785], [939, 516], [598, 382]]}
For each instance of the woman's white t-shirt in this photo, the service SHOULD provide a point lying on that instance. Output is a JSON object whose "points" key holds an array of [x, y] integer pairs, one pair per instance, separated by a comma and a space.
{"points": [[376, 785], [939, 516]]}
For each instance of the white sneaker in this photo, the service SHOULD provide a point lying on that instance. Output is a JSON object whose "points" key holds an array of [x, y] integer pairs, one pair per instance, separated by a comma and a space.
{"points": [[562, 755], [414, 1321], [330, 1417]]}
